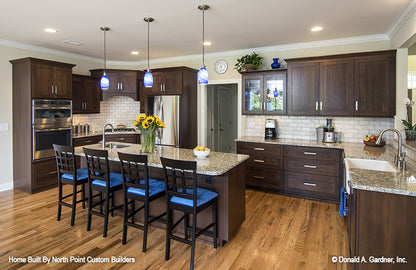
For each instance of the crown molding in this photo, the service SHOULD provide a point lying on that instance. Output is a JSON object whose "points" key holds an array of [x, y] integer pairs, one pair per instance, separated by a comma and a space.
{"points": [[404, 17], [294, 46]]}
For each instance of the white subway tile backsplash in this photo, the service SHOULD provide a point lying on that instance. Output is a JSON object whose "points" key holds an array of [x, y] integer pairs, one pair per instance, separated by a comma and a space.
{"points": [[115, 110], [353, 129]]}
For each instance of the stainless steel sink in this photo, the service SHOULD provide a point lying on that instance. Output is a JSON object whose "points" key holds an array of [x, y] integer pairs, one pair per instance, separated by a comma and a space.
{"points": [[369, 164], [116, 145]]}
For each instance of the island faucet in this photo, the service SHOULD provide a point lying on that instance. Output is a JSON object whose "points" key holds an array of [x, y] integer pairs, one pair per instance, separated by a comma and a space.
{"points": [[400, 156], [112, 129]]}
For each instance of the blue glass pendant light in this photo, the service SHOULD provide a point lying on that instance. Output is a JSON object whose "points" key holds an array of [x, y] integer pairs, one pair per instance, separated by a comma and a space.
{"points": [[203, 72], [104, 82], [148, 77]]}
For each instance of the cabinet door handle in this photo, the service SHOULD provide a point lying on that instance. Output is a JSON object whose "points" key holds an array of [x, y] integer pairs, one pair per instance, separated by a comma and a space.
{"points": [[161, 88], [309, 184], [259, 177], [52, 89], [53, 172], [258, 149], [164, 88], [316, 105], [309, 153], [121, 86], [320, 105], [309, 166], [356, 105], [259, 160]]}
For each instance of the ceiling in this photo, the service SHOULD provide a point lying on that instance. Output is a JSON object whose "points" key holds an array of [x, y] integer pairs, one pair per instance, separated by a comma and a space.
{"points": [[176, 30]]}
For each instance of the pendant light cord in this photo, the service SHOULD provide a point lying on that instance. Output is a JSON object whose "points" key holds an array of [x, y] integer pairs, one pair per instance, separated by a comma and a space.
{"points": [[105, 51], [203, 37], [148, 44]]}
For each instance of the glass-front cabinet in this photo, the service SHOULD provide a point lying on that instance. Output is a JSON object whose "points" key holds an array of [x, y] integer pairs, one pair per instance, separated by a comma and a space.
{"points": [[264, 92]]}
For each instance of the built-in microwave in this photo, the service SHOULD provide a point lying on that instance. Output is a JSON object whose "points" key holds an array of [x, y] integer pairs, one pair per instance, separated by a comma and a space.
{"points": [[52, 112], [51, 124]]}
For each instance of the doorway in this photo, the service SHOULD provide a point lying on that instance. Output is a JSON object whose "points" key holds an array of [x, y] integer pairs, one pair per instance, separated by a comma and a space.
{"points": [[222, 121]]}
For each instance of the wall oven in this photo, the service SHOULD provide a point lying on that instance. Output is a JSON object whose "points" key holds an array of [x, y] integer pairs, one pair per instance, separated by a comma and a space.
{"points": [[51, 124]]}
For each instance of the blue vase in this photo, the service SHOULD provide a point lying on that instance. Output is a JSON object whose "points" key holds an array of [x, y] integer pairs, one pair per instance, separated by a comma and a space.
{"points": [[275, 63]]}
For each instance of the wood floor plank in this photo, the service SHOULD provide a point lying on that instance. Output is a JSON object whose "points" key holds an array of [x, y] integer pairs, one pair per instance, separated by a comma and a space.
{"points": [[279, 232]]}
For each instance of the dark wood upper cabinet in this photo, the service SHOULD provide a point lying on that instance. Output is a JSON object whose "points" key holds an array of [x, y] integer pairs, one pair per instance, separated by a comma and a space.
{"points": [[122, 82], [336, 87], [375, 84], [50, 79], [85, 94], [303, 88], [169, 81], [359, 84], [264, 92]]}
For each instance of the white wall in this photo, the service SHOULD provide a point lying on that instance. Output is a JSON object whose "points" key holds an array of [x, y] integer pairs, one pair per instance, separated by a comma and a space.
{"points": [[9, 51]]}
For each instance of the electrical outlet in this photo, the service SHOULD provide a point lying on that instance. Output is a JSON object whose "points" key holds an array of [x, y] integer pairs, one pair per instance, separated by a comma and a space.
{"points": [[4, 126]]}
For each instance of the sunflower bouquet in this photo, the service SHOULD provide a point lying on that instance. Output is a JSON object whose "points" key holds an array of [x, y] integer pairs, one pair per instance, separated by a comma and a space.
{"points": [[148, 125]]}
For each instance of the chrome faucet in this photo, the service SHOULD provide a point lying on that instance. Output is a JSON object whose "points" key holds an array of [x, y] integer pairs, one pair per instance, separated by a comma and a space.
{"points": [[400, 156], [112, 129]]}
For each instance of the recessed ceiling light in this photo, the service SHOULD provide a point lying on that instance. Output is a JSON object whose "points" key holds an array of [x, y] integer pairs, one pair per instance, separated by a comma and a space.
{"points": [[135, 52], [316, 28], [207, 43], [50, 30]]}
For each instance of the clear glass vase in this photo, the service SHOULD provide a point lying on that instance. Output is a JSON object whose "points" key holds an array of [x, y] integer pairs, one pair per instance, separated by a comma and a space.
{"points": [[147, 139]]}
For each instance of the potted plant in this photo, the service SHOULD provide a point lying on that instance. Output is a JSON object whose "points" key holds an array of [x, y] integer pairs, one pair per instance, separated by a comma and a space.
{"points": [[410, 130], [248, 62]]}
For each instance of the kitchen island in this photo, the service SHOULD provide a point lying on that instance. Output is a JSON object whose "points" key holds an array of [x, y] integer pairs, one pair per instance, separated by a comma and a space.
{"points": [[223, 173]]}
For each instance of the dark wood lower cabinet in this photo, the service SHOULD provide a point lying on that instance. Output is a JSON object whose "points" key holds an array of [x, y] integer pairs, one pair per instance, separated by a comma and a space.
{"points": [[264, 167], [309, 172], [126, 138], [44, 174], [382, 225]]}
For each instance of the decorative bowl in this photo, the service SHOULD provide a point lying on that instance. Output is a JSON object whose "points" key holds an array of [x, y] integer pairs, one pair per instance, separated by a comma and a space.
{"points": [[201, 154], [374, 144]]}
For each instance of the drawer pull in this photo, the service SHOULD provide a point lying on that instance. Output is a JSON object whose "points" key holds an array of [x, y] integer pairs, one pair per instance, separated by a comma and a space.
{"points": [[259, 177], [259, 149], [54, 172], [88, 141], [259, 160], [309, 153], [309, 166], [309, 184]]}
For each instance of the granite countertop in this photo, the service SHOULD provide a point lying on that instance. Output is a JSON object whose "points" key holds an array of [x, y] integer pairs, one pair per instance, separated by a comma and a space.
{"points": [[215, 164], [100, 133], [389, 182]]}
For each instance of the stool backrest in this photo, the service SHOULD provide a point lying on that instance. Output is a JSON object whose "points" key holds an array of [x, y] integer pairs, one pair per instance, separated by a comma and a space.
{"points": [[65, 159], [180, 178], [134, 169], [97, 165]]}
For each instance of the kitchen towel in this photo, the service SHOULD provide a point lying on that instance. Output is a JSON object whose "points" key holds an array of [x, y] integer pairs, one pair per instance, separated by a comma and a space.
{"points": [[342, 209]]}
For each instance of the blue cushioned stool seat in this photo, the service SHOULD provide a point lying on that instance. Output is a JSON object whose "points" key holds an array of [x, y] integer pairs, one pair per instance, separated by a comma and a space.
{"points": [[202, 196], [115, 180], [155, 187], [81, 175]]}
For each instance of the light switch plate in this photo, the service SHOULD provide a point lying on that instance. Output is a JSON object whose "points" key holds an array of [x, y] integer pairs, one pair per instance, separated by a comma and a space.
{"points": [[4, 126]]}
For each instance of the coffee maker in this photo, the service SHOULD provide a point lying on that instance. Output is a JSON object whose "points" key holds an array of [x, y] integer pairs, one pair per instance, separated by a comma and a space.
{"points": [[270, 132]]}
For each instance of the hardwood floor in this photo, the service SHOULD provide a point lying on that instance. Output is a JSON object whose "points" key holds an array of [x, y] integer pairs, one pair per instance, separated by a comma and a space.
{"points": [[279, 232]]}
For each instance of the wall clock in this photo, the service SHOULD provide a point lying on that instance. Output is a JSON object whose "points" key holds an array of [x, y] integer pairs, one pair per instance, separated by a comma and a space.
{"points": [[221, 66]]}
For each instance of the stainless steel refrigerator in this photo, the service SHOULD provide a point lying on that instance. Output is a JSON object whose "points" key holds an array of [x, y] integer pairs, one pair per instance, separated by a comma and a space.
{"points": [[167, 108]]}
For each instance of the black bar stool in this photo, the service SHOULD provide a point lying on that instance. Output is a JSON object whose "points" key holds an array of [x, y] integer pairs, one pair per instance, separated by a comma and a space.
{"points": [[100, 179], [138, 187], [184, 195], [67, 172]]}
